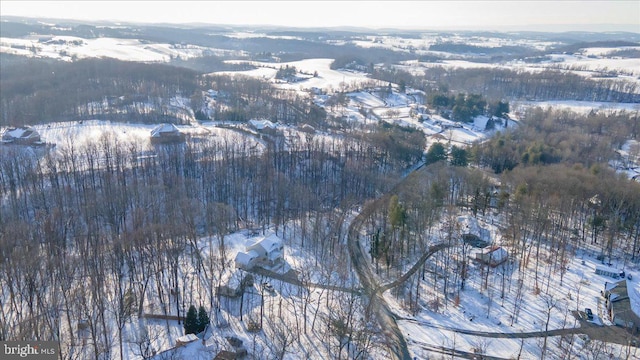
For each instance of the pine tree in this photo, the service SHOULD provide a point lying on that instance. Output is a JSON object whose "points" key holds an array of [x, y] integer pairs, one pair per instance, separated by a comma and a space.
{"points": [[203, 319], [191, 321], [436, 153]]}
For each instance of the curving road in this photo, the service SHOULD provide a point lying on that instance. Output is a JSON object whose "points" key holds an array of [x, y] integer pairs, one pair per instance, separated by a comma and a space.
{"points": [[377, 304], [432, 250]]}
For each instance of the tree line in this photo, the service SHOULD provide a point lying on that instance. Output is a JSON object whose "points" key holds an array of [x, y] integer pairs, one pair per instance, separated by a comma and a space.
{"points": [[39, 91]]}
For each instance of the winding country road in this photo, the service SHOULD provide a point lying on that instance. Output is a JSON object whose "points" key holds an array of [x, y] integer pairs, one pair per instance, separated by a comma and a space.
{"points": [[388, 320], [377, 304]]}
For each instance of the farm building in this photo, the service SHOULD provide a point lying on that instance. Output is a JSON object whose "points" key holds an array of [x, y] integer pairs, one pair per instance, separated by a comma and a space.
{"points": [[166, 133], [268, 251], [21, 136], [493, 256]]}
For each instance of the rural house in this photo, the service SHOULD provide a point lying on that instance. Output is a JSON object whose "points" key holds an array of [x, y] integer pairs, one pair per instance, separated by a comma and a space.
{"points": [[268, 251], [262, 124], [21, 136], [619, 306]]}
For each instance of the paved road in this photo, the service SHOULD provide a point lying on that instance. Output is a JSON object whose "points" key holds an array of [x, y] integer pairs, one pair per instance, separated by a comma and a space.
{"points": [[377, 304], [432, 250]]}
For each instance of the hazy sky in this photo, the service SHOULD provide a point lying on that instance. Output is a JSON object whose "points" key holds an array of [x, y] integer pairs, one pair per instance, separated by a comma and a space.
{"points": [[558, 15]]}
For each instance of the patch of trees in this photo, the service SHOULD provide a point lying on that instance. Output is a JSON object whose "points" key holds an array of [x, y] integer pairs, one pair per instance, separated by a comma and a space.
{"points": [[558, 136], [400, 144], [464, 107], [209, 64], [457, 48], [196, 321], [352, 62], [457, 156], [548, 213], [243, 98], [576, 47], [287, 72], [625, 53], [395, 76], [545, 85], [38, 91]]}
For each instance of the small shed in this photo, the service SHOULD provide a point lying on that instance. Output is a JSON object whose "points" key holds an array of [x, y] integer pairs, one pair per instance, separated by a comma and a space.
{"points": [[610, 272], [493, 256]]}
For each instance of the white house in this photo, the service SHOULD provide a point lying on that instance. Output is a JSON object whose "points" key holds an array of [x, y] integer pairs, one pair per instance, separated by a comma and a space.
{"points": [[21, 135], [620, 302], [247, 260], [262, 124], [268, 251]]}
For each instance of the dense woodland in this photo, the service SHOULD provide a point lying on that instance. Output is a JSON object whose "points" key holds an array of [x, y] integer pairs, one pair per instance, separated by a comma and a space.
{"points": [[101, 215]]}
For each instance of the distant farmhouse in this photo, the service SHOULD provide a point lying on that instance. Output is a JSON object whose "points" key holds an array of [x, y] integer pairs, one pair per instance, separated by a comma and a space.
{"points": [[21, 136], [619, 306], [166, 133], [268, 251], [492, 256], [261, 124]]}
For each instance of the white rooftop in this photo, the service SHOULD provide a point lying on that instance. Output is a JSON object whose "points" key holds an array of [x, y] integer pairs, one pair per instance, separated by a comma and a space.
{"points": [[164, 129], [261, 124], [271, 243]]}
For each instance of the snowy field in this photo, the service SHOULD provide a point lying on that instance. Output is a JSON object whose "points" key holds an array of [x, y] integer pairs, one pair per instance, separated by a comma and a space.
{"points": [[327, 78], [583, 107], [70, 47]]}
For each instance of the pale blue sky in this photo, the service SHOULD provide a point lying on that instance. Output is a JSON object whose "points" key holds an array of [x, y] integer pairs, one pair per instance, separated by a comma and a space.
{"points": [[558, 15]]}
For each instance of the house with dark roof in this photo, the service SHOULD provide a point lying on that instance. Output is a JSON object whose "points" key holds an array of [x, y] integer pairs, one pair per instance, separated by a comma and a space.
{"points": [[619, 305]]}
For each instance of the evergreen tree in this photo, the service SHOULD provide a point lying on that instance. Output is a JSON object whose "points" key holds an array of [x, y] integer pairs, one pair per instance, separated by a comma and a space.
{"points": [[459, 156], [501, 108], [191, 321], [203, 319], [435, 153]]}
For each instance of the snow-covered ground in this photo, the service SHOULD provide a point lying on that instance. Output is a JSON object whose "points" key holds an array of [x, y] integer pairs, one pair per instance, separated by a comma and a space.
{"points": [[326, 78], [69, 47], [483, 309], [584, 107]]}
